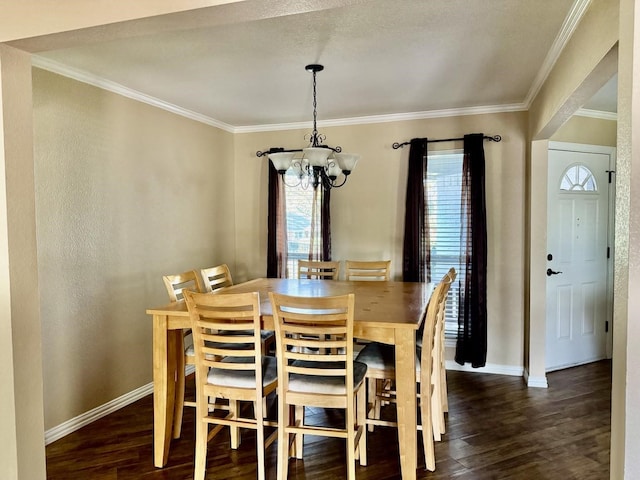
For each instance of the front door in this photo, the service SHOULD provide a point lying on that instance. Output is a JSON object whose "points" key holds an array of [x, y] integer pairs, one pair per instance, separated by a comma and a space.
{"points": [[577, 254]]}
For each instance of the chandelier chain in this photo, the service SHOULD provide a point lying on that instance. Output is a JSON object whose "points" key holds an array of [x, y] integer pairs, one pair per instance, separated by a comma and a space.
{"points": [[314, 134]]}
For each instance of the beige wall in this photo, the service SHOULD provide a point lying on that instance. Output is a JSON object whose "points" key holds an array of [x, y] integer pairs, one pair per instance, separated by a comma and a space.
{"points": [[625, 421], [367, 214], [586, 130], [125, 193], [21, 402]]}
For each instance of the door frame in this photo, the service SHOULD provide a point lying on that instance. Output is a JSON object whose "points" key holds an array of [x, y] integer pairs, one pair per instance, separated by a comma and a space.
{"points": [[611, 151]]}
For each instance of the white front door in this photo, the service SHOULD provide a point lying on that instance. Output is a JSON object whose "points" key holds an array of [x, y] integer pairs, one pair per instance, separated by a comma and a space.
{"points": [[577, 254]]}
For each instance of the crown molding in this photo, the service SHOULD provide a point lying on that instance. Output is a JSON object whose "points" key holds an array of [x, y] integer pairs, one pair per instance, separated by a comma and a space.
{"points": [[393, 117], [602, 115], [85, 77], [570, 24]]}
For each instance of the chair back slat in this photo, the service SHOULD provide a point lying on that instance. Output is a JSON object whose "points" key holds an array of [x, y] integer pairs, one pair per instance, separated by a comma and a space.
{"points": [[318, 372], [321, 270], [369, 270]]}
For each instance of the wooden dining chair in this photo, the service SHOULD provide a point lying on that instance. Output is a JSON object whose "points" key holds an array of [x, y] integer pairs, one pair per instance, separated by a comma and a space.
{"points": [[440, 397], [440, 372], [380, 361], [329, 378], [193, 281], [176, 285], [369, 270], [321, 270], [231, 367], [378, 380], [215, 278]]}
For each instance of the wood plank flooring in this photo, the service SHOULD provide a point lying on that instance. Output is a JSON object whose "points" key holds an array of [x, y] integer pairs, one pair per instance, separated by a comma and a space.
{"points": [[497, 428]]}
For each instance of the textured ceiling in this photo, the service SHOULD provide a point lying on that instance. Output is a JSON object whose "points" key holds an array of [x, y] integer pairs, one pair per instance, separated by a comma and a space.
{"points": [[381, 57]]}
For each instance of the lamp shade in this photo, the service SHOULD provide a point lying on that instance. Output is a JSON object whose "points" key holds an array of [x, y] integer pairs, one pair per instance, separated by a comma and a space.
{"points": [[317, 156], [333, 170], [281, 160], [347, 161]]}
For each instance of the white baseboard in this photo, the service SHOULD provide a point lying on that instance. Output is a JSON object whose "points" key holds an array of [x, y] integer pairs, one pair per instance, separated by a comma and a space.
{"points": [[536, 382], [94, 414], [488, 368]]}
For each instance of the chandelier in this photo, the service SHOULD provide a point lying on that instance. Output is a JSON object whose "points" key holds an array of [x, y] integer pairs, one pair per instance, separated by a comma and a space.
{"points": [[318, 164]]}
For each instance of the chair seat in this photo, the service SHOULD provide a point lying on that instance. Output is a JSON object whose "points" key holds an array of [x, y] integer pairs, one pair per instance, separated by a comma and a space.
{"points": [[324, 383], [382, 358], [243, 378], [378, 356]]}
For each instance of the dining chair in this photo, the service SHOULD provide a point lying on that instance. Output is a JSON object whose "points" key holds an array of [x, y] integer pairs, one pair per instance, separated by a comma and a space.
{"points": [[328, 378], [231, 367], [441, 402], [176, 285], [369, 270], [376, 270], [378, 381], [440, 397], [380, 361], [215, 278], [322, 270]]}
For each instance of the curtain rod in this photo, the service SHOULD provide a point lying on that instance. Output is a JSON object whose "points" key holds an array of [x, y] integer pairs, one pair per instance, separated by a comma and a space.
{"points": [[495, 138]]}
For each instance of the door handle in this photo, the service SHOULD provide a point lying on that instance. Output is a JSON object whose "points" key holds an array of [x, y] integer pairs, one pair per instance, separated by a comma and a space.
{"points": [[551, 272]]}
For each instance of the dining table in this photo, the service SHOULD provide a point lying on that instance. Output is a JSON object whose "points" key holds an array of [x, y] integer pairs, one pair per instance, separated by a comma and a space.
{"points": [[388, 312]]}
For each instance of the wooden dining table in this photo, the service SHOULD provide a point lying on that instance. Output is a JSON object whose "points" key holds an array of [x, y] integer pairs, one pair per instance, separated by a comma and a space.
{"points": [[387, 312]]}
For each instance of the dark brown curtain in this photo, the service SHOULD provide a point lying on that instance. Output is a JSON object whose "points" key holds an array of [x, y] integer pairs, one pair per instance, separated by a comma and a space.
{"points": [[326, 225], [471, 345], [416, 249], [277, 227]]}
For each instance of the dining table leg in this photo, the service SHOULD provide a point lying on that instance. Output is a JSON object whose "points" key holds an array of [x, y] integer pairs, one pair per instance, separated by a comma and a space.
{"points": [[164, 381], [406, 395]]}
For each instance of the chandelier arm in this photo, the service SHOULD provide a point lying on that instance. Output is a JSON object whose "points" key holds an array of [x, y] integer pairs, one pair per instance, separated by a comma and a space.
{"points": [[298, 183], [327, 182], [338, 185], [264, 153]]}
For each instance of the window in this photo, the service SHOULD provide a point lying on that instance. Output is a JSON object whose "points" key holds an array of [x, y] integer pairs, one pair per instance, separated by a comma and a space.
{"points": [[443, 190], [578, 178], [299, 211]]}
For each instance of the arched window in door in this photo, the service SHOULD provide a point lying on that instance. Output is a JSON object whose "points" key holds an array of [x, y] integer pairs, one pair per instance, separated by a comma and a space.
{"points": [[578, 178]]}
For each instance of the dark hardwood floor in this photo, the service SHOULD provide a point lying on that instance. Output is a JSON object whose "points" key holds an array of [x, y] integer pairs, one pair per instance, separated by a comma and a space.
{"points": [[497, 428]]}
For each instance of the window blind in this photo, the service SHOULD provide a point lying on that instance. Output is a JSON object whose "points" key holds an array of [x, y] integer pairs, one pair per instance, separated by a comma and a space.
{"points": [[443, 185]]}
